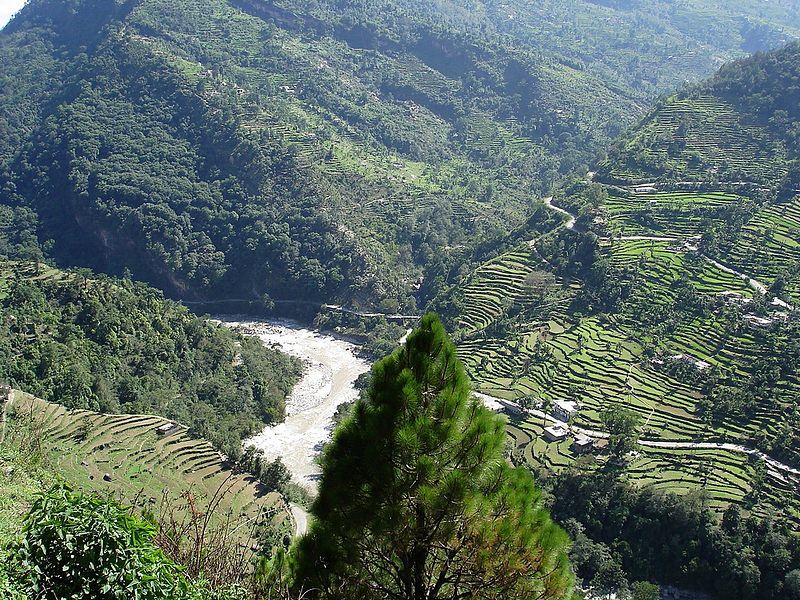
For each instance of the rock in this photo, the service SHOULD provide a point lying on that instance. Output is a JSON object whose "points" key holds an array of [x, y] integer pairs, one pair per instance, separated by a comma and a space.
{"points": [[84, 463], [107, 477]]}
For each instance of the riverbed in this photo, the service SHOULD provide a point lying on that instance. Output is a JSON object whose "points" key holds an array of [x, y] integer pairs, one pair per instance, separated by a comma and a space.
{"points": [[331, 367]]}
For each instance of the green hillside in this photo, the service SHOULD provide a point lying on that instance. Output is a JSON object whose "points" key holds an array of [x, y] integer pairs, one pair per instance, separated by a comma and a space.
{"points": [[672, 297], [738, 128], [91, 342], [334, 151], [124, 457]]}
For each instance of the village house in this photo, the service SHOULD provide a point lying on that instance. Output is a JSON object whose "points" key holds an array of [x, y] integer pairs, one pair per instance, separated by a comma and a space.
{"points": [[555, 433], [732, 297], [756, 322], [166, 429], [582, 444], [700, 365], [564, 410]]}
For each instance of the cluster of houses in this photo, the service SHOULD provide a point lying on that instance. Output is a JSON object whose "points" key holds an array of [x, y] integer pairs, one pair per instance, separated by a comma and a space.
{"points": [[563, 411], [698, 364], [754, 321]]}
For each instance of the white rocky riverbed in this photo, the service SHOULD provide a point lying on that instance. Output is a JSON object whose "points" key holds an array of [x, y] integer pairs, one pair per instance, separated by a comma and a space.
{"points": [[331, 369]]}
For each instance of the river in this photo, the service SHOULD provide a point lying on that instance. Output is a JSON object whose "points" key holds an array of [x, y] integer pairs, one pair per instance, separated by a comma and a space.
{"points": [[331, 367]]}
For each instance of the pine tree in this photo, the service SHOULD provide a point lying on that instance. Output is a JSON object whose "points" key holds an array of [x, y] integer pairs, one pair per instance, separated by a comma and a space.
{"points": [[416, 501]]}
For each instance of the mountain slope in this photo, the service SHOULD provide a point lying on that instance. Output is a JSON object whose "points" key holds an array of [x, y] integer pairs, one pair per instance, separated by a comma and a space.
{"points": [[329, 151], [671, 294], [116, 346]]}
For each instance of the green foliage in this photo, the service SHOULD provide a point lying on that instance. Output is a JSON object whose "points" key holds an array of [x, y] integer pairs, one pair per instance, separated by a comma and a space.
{"points": [[116, 346], [9, 589], [236, 148], [643, 590], [76, 546], [623, 428], [273, 474], [416, 500], [668, 538]]}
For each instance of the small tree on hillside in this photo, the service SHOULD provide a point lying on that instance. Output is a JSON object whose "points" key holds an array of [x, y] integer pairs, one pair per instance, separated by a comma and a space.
{"points": [[416, 501], [86, 548], [622, 426]]}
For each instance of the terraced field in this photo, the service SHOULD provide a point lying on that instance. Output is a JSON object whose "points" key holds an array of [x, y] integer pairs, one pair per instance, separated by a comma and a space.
{"points": [[496, 286], [605, 360], [698, 139], [601, 361], [722, 477], [596, 360], [123, 456], [592, 362], [664, 263], [642, 211], [770, 245], [767, 247]]}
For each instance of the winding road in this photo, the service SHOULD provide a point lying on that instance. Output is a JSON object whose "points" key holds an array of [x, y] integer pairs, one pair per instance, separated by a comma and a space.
{"points": [[571, 219], [752, 282]]}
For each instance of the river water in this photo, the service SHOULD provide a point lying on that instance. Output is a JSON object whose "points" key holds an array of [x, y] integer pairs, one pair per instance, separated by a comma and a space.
{"points": [[331, 368]]}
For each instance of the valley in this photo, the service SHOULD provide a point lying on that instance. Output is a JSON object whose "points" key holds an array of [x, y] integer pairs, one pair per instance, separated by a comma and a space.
{"points": [[236, 233]]}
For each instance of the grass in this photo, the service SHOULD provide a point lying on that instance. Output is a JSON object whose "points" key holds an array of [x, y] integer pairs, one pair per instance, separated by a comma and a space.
{"points": [[20, 483], [145, 470]]}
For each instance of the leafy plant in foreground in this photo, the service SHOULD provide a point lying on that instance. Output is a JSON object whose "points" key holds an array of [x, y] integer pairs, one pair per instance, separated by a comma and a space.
{"points": [[83, 547]]}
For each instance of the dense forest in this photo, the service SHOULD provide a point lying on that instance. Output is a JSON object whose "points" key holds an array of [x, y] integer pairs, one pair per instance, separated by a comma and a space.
{"points": [[622, 533], [115, 346]]}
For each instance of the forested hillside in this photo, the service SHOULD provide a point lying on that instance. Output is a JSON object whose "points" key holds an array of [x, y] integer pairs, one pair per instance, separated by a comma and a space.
{"points": [[334, 151], [114, 346]]}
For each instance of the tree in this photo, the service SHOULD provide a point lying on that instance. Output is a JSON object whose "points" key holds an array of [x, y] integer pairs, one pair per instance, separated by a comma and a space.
{"points": [[275, 475], [416, 500], [644, 590], [621, 425], [539, 283], [792, 585]]}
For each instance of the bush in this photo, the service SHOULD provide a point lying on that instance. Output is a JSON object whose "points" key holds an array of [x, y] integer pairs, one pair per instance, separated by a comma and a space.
{"points": [[83, 547]]}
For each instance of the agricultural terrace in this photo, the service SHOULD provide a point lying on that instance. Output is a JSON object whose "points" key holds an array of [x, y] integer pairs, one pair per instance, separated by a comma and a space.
{"points": [[724, 477], [605, 360], [591, 361], [698, 139], [660, 264], [639, 211], [122, 455], [769, 245], [765, 247], [600, 360], [497, 286]]}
